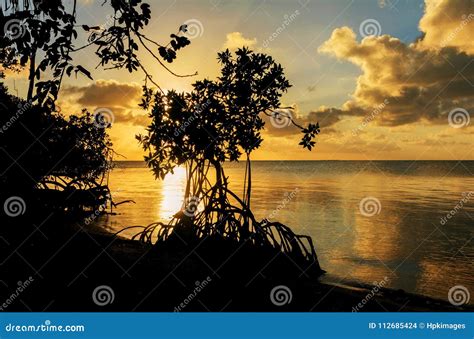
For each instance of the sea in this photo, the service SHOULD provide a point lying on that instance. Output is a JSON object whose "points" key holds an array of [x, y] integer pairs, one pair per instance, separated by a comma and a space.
{"points": [[398, 224]]}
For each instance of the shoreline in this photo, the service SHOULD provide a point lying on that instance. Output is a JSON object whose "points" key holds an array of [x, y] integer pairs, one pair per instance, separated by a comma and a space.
{"points": [[149, 279], [355, 290]]}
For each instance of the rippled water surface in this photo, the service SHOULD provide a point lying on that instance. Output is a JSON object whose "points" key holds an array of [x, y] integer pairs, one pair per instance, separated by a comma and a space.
{"points": [[369, 220]]}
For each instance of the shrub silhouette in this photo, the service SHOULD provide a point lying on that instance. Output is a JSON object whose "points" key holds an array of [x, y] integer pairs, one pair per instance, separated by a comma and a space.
{"points": [[41, 149]]}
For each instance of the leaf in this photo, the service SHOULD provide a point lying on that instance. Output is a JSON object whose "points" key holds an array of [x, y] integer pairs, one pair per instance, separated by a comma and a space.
{"points": [[69, 70], [84, 71]]}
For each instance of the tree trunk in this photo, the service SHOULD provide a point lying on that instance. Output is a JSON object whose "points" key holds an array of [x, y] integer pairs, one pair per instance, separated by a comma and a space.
{"points": [[221, 196], [31, 76]]}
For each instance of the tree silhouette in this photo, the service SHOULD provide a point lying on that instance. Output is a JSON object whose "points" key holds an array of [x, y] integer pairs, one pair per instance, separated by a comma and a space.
{"points": [[219, 121], [40, 148], [47, 29]]}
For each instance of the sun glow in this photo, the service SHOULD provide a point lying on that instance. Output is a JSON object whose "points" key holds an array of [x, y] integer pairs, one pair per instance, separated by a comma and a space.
{"points": [[172, 194]]}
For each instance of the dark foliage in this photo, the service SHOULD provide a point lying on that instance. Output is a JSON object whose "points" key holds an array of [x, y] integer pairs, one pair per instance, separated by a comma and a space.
{"points": [[220, 121], [36, 143], [48, 30], [40, 148]]}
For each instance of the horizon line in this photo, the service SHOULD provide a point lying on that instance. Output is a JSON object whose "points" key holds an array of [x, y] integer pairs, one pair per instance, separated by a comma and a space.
{"points": [[313, 160]]}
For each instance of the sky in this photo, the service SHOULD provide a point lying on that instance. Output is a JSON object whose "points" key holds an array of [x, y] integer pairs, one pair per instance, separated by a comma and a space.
{"points": [[389, 79]]}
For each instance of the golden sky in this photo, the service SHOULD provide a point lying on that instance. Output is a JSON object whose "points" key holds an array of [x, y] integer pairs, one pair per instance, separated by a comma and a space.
{"points": [[385, 79]]}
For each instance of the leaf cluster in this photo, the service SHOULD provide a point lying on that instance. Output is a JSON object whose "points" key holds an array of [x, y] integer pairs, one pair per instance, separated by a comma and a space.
{"points": [[219, 120]]}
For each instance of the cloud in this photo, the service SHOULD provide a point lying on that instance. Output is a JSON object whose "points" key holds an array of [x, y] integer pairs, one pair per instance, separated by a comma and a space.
{"points": [[106, 93], [419, 83], [236, 40], [121, 98], [325, 116], [448, 23], [129, 117]]}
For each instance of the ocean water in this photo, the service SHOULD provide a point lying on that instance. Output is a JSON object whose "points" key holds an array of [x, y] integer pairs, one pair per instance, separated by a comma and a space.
{"points": [[371, 221]]}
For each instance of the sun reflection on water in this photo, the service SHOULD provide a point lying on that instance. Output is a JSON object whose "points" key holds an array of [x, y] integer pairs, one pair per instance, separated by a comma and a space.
{"points": [[171, 194]]}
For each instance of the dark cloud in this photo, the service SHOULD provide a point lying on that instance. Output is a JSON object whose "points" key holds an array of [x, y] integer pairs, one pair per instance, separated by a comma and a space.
{"points": [[121, 115], [121, 98], [106, 93]]}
